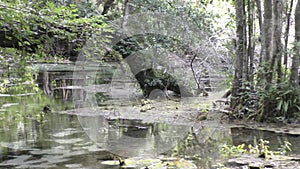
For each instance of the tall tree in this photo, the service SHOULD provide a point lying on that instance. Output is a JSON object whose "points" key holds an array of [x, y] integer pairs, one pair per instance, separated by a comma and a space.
{"points": [[245, 51], [260, 23], [277, 54], [251, 42], [240, 50], [268, 42], [125, 13], [286, 33], [294, 78]]}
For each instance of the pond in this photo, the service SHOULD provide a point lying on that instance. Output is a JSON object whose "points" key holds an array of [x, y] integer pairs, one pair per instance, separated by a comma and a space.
{"points": [[108, 125], [60, 141], [57, 142]]}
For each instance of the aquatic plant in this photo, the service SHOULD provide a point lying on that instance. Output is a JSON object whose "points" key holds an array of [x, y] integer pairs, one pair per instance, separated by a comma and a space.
{"points": [[260, 148]]}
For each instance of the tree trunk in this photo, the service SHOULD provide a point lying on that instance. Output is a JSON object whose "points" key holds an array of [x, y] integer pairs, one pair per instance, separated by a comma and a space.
{"points": [[251, 44], [267, 28], [125, 13], [238, 75], [294, 79], [245, 51], [260, 74], [268, 40], [286, 34], [259, 13], [277, 55]]}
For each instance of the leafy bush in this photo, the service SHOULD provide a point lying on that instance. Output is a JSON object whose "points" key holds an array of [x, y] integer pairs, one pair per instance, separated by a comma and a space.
{"points": [[282, 101], [45, 28], [279, 103]]}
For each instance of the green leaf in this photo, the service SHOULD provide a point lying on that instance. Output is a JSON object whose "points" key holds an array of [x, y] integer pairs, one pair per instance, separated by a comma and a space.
{"points": [[279, 105], [286, 92], [285, 107]]}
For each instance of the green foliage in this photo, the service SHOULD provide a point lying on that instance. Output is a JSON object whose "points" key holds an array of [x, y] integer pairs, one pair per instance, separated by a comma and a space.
{"points": [[16, 108], [263, 148], [194, 11], [20, 96], [47, 29], [23, 105], [260, 148], [229, 80], [16, 77], [279, 103], [227, 150], [284, 148], [38, 31], [282, 100]]}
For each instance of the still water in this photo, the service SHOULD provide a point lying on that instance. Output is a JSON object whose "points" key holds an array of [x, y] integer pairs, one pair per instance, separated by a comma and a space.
{"points": [[61, 142], [58, 139], [58, 142]]}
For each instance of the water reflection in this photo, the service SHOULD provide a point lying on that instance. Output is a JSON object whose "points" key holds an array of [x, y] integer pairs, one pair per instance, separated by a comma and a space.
{"points": [[131, 138], [242, 135], [60, 141], [57, 142]]}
